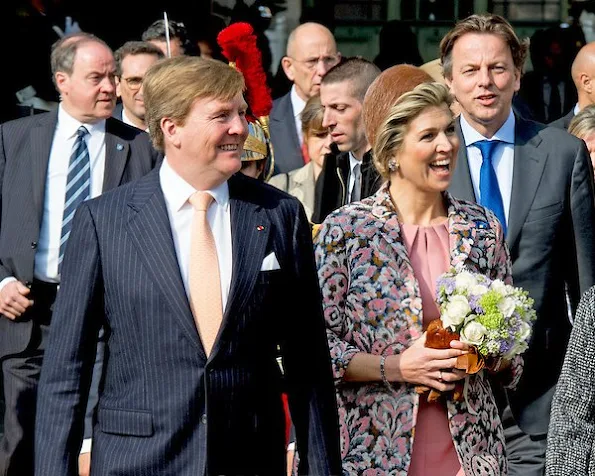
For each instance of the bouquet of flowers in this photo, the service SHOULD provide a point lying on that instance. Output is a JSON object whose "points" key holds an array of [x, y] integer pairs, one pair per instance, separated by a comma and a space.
{"points": [[494, 318], [491, 316]]}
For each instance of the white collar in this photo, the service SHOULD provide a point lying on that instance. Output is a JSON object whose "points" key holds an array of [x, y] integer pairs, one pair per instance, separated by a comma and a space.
{"points": [[297, 103], [504, 134], [69, 125], [177, 191], [353, 161], [126, 120]]}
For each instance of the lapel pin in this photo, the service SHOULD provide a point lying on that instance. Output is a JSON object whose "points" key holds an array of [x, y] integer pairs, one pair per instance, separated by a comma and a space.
{"points": [[260, 227], [119, 147]]}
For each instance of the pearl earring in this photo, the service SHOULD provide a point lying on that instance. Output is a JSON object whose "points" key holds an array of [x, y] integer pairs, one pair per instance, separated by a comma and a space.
{"points": [[393, 165]]}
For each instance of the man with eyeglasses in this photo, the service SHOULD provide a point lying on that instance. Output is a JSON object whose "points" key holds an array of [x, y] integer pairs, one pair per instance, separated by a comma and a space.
{"points": [[133, 59], [311, 52]]}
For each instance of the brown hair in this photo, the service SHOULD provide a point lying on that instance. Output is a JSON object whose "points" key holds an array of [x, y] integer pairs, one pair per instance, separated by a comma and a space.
{"points": [[172, 85], [359, 72], [394, 128], [483, 24], [312, 116], [134, 48], [384, 92]]}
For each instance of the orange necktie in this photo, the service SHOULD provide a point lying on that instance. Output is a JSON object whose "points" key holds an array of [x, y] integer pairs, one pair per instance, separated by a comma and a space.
{"points": [[203, 278]]}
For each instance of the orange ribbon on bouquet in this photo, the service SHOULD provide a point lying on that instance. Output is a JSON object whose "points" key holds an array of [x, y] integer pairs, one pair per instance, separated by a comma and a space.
{"points": [[437, 337]]}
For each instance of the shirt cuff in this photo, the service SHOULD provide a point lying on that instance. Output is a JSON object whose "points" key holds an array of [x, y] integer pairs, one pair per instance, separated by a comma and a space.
{"points": [[5, 281], [86, 446]]}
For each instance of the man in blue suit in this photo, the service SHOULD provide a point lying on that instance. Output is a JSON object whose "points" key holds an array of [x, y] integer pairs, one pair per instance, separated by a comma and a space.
{"points": [[183, 391]]}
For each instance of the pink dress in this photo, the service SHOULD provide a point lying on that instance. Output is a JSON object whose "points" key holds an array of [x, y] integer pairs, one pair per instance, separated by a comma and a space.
{"points": [[433, 449]]}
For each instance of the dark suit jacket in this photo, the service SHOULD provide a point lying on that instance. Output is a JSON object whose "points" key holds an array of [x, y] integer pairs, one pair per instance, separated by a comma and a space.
{"points": [[531, 92], [25, 146], [551, 237], [286, 143], [564, 121], [166, 408], [333, 183]]}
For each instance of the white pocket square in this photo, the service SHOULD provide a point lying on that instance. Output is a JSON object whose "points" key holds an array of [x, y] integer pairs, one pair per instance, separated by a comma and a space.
{"points": [[270, 263]]}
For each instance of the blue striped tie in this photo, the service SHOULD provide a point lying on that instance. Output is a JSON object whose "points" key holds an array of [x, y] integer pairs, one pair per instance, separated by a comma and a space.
{"points": [[489, 190], [78, 186]]}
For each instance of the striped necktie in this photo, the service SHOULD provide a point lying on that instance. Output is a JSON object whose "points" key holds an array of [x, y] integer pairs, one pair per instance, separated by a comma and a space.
{"points": [[78, 186]]}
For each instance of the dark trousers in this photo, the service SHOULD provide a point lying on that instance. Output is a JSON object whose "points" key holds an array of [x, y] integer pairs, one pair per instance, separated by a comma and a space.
{"points": [[525, 453], [21, 373]]}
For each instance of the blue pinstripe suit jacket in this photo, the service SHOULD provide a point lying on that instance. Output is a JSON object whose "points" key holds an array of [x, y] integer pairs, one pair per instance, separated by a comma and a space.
{"points": [[165, 409]]}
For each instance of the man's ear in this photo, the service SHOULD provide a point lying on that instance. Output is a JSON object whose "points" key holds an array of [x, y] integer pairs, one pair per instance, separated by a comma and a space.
{"points": [[118, 87], [170, 131], [586, 83], [287, 65], [61, 81]]}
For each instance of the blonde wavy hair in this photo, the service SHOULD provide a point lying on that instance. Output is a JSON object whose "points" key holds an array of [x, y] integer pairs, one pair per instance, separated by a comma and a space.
{"points": [[393, 129]]}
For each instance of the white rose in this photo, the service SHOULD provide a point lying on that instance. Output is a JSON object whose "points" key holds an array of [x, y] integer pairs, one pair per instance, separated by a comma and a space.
{"points": [[507, 306], [464, 280], [478, 290], [517, 348], [473, 333], [524, 331], [455, 311], [499, 286]]}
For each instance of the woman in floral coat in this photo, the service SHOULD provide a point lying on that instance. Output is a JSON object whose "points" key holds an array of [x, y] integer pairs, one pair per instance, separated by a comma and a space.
{"points": [[378, 261]]}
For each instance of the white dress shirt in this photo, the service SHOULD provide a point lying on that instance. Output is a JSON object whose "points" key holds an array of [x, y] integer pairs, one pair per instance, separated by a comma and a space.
{"points": [[298, 105], [502, 160], [352, 163], [48, 245], [177, 192]]}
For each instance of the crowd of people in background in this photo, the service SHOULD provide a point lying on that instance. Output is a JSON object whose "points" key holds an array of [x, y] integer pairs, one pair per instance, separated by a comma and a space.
{"points": [[184, 291]]}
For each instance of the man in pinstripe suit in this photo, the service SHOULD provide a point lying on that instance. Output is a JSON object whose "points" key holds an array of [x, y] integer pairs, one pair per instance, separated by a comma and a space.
{"points": [[170, 404], [34, 161]]}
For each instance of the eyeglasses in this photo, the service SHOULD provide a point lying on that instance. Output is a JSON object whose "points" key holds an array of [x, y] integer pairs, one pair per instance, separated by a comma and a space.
{"points": [[328, 61], [133, 83]]}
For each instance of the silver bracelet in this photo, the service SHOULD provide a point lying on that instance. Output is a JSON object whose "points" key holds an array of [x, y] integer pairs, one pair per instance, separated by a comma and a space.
{"points": [[383, 373]]}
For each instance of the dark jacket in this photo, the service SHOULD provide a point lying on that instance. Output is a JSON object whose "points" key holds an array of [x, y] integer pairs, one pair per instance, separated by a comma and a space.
{"points": [[333, 182]]}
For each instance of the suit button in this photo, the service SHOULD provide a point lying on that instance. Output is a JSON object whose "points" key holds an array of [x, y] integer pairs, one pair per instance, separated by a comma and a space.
{"points": [[203, 419], [34, 244]]}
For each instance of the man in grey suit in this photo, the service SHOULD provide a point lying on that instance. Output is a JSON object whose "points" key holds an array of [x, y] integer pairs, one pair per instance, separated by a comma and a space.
{"points": [[541, 183], [191, 384], [311, 52], [34, 164]]}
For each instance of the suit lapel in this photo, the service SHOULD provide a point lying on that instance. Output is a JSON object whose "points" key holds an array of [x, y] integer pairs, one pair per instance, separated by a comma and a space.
{"points": [[150, 230], [461, 185], [250, 229], [41, 137], [286, 118], [529, 163], [116, 156]]}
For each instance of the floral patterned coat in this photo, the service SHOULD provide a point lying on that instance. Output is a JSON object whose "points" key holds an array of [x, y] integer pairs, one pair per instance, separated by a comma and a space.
{"points": [[372, 304]]}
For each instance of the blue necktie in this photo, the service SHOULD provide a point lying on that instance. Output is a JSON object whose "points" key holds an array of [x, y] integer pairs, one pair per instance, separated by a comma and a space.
{"points": [[78, 186], [489, 191]]}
